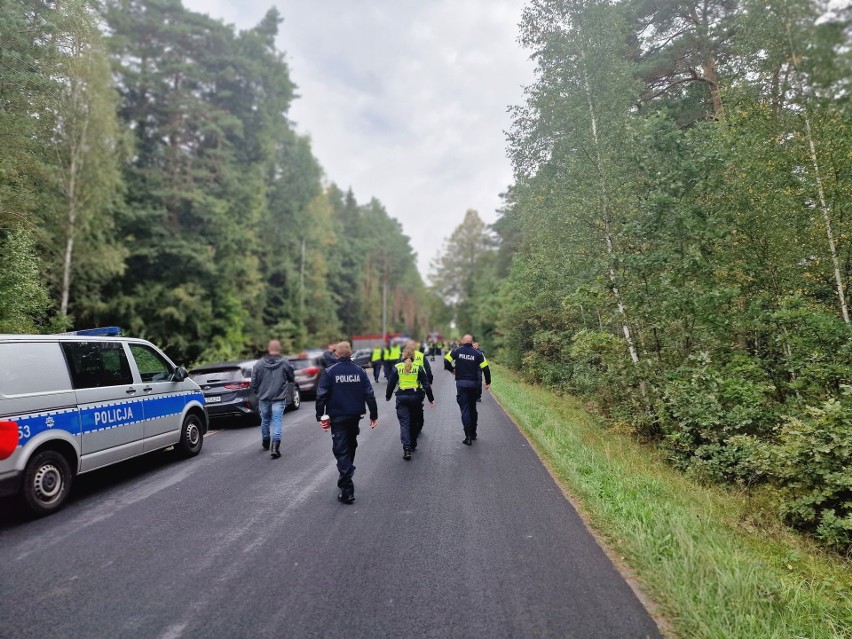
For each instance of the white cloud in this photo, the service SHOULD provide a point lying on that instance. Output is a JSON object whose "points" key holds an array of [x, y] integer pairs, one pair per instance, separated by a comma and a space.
{"points": [[404, 100]]}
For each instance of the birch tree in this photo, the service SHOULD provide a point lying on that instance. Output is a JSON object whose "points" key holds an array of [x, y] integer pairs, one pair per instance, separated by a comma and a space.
{"points": [[86, 145], [577, 122]]}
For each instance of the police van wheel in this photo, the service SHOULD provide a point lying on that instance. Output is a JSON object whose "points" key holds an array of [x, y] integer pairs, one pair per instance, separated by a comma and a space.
{"points": [[297, 399], [47, 482], [191, 436]]}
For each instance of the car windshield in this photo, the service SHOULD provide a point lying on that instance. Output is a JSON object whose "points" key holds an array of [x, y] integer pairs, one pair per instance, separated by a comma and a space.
{"points": [[215, 376]]}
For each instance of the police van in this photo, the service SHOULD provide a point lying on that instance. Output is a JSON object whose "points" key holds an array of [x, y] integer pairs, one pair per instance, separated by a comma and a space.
{"points": [[76, 402]]}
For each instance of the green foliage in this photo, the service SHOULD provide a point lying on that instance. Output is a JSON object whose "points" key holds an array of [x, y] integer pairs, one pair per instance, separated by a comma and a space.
{"points": [[24, 300], [680, 224], [811, 465]]}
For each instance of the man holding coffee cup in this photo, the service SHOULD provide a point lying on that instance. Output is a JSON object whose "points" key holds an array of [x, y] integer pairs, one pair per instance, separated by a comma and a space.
{"points": [[344, 395]]}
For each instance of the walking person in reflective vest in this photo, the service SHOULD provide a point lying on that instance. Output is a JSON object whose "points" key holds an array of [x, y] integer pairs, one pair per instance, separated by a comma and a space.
{"points": [[467, 363], [411, 378], [345, 393], [376, 362], [418, 419]]}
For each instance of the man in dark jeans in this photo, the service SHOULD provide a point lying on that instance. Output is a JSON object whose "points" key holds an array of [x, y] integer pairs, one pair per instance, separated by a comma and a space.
{"points": [[270, 378], [345, 393], [469, 367]]}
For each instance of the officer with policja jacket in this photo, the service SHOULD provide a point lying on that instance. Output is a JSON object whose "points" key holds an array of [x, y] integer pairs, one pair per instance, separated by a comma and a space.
{"points": [[345, 394], [469, 366]]}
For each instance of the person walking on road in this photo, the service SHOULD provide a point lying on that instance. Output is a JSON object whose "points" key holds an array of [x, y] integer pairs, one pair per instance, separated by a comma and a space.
{"points": [[420, 360], [413, 384], [476, 347], [467, 364], [270, 380], [376, 362], [329, 358], [344, 392]]}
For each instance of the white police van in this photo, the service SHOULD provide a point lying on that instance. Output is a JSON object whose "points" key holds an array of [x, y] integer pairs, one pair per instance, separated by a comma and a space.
{"points": [[75, 402]]}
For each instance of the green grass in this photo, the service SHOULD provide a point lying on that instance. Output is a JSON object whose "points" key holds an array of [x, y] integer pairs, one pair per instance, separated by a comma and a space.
{"points": [[696, 550]]}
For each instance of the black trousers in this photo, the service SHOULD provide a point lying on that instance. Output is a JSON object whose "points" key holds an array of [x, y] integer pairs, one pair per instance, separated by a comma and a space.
{"points": [[466, 397], [388, 369], [377, 368], [409, 411], [344, 441]]}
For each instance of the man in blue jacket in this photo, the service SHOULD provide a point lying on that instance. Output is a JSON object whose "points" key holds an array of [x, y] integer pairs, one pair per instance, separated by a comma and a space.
{"points": [[469, 367], [345, 394]]}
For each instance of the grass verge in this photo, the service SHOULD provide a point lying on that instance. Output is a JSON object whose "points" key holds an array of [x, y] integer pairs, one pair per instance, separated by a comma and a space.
{"points": [[694, 548]]}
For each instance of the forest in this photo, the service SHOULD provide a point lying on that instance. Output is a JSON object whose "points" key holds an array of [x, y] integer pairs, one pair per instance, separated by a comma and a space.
{"points": [[677, 245], [150, 178], [675, 248]]}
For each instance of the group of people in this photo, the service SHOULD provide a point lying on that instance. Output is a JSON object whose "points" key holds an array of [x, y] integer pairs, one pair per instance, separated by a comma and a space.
{"points": [[345, 395]]}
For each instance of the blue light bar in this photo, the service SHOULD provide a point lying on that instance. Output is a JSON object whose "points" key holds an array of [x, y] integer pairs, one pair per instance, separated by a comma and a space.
{"points": [[104, 331]]}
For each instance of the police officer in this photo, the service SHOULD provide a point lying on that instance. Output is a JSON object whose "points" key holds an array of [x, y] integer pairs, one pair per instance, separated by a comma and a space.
{"points": [[386, 359], [413, 381], [376, 362], [417, 416], [467, 363], [343, 392], [476, 347]]}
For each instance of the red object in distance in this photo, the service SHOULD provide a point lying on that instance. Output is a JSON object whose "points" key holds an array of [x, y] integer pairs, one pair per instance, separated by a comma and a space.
{"points": [[8, 438]]}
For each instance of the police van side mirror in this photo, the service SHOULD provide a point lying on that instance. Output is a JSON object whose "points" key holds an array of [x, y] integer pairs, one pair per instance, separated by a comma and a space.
{"points": [[180, 374]]}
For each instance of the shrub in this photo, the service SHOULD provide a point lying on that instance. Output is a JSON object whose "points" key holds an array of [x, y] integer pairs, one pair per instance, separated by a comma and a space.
{"points": [[811, 464], [714, 418]]}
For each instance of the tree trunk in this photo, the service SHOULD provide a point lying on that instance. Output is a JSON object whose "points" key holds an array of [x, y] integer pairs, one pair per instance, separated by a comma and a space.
{"points": [[605, 218]]}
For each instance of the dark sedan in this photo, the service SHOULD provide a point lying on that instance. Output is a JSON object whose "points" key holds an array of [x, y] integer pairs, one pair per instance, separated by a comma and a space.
{"points": [[227, 390], [363, 357]]}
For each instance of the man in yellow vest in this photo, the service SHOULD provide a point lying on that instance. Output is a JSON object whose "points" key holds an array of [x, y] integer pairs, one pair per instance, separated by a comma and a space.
{"points": [[376, 362], [412, 380]]}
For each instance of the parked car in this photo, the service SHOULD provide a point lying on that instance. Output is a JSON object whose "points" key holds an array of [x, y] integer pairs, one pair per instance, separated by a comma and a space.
{"points": [[363, 357], [309, 367], [73, 403], [227, 390]]}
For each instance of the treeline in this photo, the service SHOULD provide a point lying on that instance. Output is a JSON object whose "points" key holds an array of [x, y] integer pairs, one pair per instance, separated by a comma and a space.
{"points": [[150, 178], [682, 236]]}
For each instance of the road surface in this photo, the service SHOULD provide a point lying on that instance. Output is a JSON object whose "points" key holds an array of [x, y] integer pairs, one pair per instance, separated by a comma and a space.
{"points": [[458, 542]]}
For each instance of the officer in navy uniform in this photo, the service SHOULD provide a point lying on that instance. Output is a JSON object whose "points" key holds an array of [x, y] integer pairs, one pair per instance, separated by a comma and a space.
{"points": [[344, 392], [467, 364], [413, 385]]}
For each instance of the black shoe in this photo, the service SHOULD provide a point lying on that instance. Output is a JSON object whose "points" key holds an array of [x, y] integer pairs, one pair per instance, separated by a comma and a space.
{"points": [[346, 498], [265, 443], [276, 449], [406, 454], [473, 437], [467, 441]]}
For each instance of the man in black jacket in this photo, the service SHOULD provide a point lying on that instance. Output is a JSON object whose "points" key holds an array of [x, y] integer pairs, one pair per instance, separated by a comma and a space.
{"points": [[469, 366], [270, 378], [345, 393], [329, 358]]}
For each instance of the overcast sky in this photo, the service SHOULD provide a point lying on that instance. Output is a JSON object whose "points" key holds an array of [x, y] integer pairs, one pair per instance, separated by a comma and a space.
{"points": [[404, 100]]}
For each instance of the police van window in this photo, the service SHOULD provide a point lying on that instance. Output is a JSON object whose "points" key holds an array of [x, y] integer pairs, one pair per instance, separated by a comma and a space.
{"points": [[36, 367], [152, 367], [95, 364]]}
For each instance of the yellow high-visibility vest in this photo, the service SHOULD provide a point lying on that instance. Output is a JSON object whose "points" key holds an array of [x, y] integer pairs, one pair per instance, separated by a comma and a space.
{"points": [[408, 381]]}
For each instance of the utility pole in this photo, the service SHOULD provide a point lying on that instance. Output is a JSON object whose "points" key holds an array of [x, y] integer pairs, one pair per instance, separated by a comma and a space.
{"points": [[385, 306], [302, 283]]}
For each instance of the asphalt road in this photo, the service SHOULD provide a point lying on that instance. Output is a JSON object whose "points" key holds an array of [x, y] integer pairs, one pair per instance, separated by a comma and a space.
{"points": [[459, 542]]}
